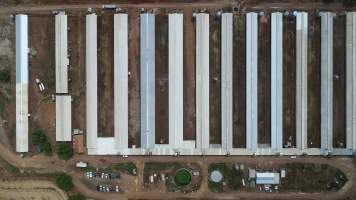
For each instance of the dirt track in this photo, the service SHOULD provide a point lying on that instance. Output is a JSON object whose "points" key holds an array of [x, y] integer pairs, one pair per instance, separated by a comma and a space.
{"points": [[34, 190]]}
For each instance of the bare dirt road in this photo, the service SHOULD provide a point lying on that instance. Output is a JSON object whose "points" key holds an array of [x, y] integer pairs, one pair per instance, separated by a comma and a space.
{"points": [[30, 189]]}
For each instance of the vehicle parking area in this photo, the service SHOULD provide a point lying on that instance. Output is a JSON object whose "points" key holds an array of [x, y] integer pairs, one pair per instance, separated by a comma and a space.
{"points": [[104, 182]]}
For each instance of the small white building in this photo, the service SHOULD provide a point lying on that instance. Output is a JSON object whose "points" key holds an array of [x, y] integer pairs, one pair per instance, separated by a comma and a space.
{"points": [[81, 164], [267, 178]]}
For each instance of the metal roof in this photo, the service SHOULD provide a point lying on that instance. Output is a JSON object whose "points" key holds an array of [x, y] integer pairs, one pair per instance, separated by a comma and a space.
{"points": [[251, 80], [351, 80], [120, 81], [175, 25], [302, 79], [226, 80], [62, 60], [21, 83], [267, 178], [147, 65], [91, 81], [63, 118], [277, 80], [327, 77], [202, 80]]}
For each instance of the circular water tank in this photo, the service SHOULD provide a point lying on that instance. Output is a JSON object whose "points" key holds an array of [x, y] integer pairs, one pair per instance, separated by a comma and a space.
{"points": [[216, 176]]}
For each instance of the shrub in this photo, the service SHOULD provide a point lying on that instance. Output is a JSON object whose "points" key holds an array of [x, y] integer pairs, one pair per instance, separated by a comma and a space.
{"points": [[64, 151], [47, 149], [5, 76], [349, 3], [64, 182], [77, 197], [38, 137]]}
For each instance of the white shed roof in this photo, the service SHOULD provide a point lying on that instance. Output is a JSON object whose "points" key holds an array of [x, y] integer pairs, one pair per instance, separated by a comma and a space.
{"points": [[271, 178], [202, 80], [91, 80], [327, 76], [351, 80], [121, 80], [62, 60], [302, 79], [21, 83], [226, 80], [147, 42], [175, 80], [63, 118], [277, 80], [251, 80]]}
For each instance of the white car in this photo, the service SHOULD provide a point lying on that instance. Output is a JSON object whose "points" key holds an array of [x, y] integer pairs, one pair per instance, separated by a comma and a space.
{"points": [[117, 188]]}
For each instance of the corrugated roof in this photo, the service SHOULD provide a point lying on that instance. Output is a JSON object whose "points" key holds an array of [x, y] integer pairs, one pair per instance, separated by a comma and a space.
{"points": [[251, 80], [202, 80], [21, 83], [226, 80], [63, 118], [267, 178], [147, 42], [175, 24], [91, 81], [62, 60], [121, 80]]}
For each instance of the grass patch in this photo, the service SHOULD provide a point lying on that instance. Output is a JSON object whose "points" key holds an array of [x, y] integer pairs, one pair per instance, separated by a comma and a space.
{"points": [[158, 166], [312, 177], [223, 168], [125, 167], [231, 177], [5, 98], [5, 76], [88, 169]]}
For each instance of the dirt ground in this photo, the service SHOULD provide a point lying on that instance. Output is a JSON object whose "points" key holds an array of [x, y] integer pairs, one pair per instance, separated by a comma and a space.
{"points": [[264, 80], [7, 90], [289, 80], [42, 66], [189, 118], [76, 74], [162, 83], [314, 80], [134, 79], [239, 82], [215, 79], [34, 190], [339, 110], [106, 75]]}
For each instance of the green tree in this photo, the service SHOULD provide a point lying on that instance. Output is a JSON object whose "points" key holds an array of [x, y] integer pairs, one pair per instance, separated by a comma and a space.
{"points": [[64, 182], [47, 149], [5, 76], [38, 137], [64, 151], [77, 197], [349, 3]]}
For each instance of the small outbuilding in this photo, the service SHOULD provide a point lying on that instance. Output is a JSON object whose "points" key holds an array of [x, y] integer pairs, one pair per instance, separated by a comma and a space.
{"points": [[267, 178]]}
